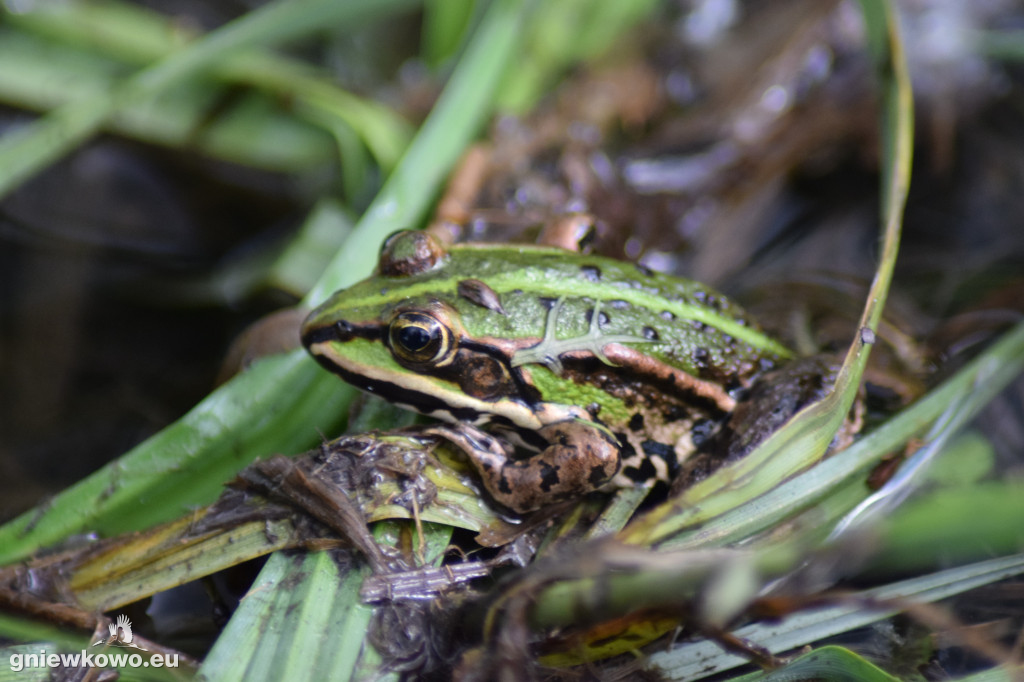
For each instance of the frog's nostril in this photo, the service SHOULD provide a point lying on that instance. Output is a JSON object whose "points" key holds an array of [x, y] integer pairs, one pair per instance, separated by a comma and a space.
{"points": [[342, 330]]}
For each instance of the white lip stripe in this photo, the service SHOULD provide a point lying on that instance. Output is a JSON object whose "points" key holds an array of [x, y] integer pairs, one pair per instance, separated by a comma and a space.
{"points": [[515, 412]]}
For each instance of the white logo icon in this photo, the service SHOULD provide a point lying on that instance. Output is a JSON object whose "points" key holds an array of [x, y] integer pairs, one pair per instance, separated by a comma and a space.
{"points": [[120, 634]]}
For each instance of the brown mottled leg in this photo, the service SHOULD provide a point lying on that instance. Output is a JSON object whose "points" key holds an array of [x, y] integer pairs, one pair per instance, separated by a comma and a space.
{"points": [[582, 457]]}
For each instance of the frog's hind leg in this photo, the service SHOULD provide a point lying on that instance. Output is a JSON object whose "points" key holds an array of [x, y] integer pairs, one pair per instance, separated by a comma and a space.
{"points": [[580, 458]]}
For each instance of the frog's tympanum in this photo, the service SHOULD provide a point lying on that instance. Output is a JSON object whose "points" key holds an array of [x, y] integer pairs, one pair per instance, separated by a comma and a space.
{"points": [[558, 372]]}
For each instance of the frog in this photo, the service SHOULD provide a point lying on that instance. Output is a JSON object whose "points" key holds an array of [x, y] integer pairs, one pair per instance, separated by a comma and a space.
{"points": [[557, 373]]}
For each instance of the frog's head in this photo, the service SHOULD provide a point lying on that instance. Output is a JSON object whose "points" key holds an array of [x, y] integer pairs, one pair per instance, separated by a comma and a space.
{"points": [[400, 334]]}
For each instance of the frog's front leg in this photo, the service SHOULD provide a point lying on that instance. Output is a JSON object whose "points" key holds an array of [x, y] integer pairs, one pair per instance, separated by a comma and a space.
{"points": [[582, 456]]}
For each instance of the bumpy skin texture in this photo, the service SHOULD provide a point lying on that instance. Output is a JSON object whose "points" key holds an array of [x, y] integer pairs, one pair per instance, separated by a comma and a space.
{"points": [[576, 462], [603, 367], [773, 401]]}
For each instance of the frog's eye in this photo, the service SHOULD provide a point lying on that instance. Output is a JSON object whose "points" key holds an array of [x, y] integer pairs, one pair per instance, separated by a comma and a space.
{"points": [[419, 338]]}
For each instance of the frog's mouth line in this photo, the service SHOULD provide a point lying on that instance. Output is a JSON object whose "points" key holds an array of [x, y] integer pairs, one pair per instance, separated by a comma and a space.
{"points": [[424, 394]]}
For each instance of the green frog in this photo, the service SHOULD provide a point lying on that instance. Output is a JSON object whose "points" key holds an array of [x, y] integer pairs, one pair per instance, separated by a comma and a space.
{"points": [[604, 372]]}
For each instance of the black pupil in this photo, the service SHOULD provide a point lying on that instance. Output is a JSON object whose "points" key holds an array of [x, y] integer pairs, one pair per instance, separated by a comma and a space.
{"points": [[414, 337]]}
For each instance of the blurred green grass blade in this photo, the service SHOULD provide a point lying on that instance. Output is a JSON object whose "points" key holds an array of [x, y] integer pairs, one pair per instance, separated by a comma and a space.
{"points": [[126, 32], [1003, 674], [444, 25], [966, 460], [805, 438], [560, 34], [27, 150], [1007, 45], [882, 24], [694, 660], [609, 580], [140, 37], [833, 663], [251, 131], [308, 252], [281, 404], [949, 525], [453, 123], [23, 630]]}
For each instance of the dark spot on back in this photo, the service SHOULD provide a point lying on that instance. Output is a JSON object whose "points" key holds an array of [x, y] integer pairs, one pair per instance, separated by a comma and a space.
{"points": [[666, 453], [619, 304], [548, 477], [650, 333], [701, 357], [647, 470], [633, 474], [644, 270], [656, 449], [626, 448], [644, 472], [547, 301], [597, 475], [667, 315]]}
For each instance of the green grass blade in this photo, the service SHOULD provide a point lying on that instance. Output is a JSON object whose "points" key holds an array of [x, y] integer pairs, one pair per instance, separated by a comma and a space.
{"points": [[252, 131], [444, 25], [460, 112], [700, 659], [973, 387], [281, 404], [280, 629], [304, 619], [1004, 674], [833, 663], [27, 150], [563, 33], [139, 37], [950, 525]]}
